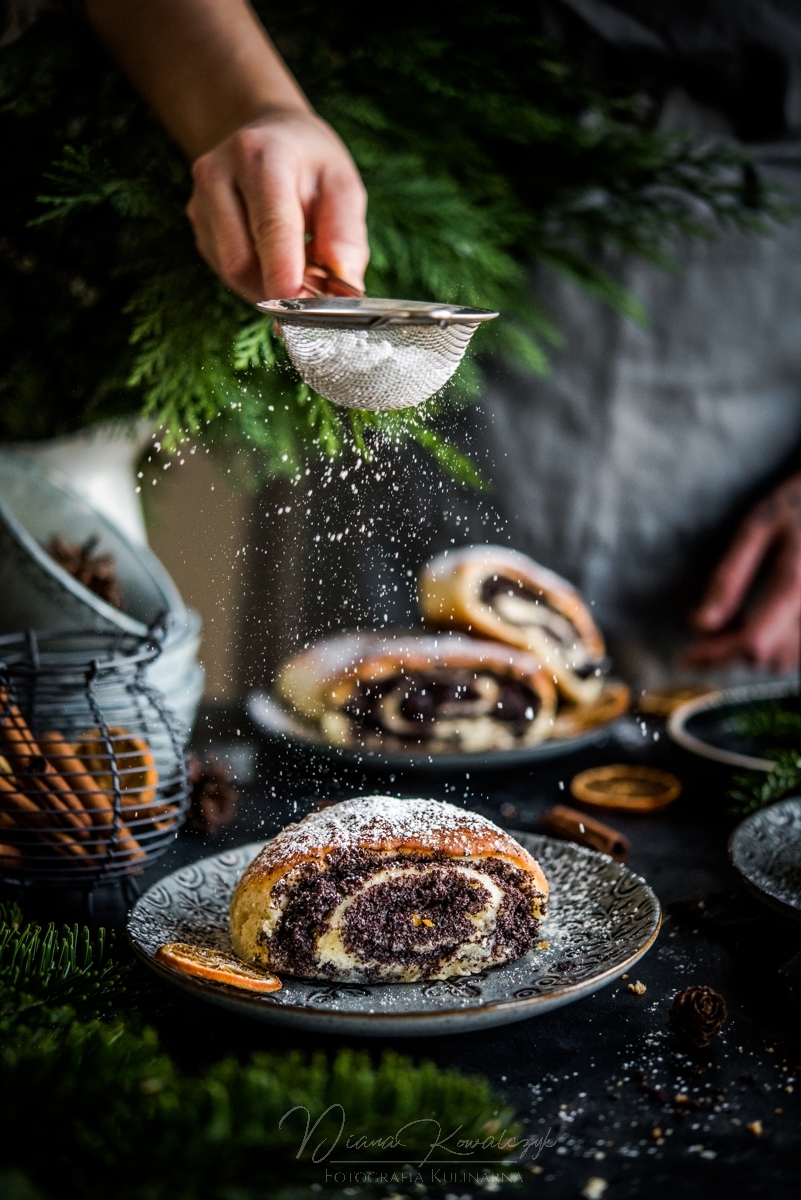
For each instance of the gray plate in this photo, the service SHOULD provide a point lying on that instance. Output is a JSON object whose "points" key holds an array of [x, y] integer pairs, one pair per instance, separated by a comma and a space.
{"points": [[702, 726], [602, 919], [272, 719], [765, 851]]}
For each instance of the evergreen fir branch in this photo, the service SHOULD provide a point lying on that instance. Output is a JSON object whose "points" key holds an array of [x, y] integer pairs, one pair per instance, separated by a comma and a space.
{"points": [[768, 719], [397, 427], [753, 790], [773, 723], [122, 1118], [41, 969], [10, 916], [84, 184], [254, 345], [455, 464]]}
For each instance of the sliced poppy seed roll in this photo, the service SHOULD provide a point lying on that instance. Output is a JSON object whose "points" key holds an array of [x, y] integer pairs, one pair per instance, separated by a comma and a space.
{"points": [[378, 889]]}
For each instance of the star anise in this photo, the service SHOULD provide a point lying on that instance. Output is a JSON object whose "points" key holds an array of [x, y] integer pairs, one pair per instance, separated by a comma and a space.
{"points": [[697, 1014], [95, 571], [214, 797]]}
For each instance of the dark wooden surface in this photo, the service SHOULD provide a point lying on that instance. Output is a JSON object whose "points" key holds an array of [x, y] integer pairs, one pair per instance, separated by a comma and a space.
{"points": [[598, 1078]]}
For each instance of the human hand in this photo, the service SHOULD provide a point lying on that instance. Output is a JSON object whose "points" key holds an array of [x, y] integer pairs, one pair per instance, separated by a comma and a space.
{"points": [[261, 191], [769, 635]]}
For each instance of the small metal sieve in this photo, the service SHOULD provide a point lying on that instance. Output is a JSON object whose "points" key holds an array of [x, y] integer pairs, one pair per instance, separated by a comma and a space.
{"points": [[376, 354]]}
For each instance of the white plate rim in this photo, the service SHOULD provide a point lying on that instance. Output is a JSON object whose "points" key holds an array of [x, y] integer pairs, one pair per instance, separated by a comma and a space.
{"points": [[741, 694]]}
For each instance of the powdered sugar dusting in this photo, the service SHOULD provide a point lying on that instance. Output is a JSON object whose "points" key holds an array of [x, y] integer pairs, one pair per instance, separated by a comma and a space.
{"points": [[386, 368], [374, 822]]}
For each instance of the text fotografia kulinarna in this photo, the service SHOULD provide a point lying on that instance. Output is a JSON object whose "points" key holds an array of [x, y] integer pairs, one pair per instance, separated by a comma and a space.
{"points": [[515, 1149], [491, 1180]]}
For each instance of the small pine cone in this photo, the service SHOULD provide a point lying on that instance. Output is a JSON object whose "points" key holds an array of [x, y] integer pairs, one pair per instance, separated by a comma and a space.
{"points": [[214, 797], [95, 571], [698, 1014]]}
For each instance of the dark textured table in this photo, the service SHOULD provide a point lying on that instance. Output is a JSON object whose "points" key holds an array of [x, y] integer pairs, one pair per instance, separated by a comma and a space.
{"points": [[611, 1091]]}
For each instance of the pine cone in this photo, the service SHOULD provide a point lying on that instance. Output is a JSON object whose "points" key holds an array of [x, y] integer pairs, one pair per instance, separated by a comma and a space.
{"points": [[214, 797], [95, 571], [698, 1014]]}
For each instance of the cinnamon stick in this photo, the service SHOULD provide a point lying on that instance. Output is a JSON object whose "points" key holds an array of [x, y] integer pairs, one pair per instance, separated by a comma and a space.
{"points": [[40, 774], [36, 774], [14, 732], [563, 822], [72, 769], [27, 816]]}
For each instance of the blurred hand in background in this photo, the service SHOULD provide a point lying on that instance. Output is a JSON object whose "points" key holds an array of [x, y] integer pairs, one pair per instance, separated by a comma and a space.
{"points": [[769, 633]]}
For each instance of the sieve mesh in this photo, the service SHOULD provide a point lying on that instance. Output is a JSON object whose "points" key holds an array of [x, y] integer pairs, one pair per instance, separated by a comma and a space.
{"points": [[387, 368]]}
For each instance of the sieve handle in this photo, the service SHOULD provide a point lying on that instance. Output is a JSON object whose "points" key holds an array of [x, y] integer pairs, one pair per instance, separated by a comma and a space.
{"points": [[321, 281]]}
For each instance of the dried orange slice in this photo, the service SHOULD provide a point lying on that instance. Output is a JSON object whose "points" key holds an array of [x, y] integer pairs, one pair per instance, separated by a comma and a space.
{"points": [[137, 769], [217, 966], [573, 719], [623, 787], [661, 702]]}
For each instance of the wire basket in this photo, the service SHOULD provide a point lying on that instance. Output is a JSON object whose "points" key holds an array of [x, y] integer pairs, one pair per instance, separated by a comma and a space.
{"points": [[93, 781]]}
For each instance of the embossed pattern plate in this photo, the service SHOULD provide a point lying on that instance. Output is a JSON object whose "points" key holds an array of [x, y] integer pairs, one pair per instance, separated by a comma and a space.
{"points": [[765, 851], [602, 919], [272, 719]]}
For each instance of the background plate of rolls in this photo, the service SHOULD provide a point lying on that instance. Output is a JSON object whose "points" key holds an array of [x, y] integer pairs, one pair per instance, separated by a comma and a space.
{"points": [[512, 669], [602, 918]]}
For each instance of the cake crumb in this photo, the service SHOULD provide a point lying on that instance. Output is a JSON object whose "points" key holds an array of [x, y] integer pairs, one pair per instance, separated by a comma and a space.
{"points": [[638, 988], [755, 1127], [594, 1188]]}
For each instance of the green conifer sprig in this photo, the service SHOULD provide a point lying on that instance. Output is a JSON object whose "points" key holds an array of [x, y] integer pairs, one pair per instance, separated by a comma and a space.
{"points": [[753, 790], [485, 152], [94, 1108], [42, 969], [777, 725], [123, 1119]]}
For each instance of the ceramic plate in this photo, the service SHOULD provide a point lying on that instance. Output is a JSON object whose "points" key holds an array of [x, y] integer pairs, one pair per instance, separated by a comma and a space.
{"points": [[707, 725], [765, 851], [602, 919], [272, 719]]}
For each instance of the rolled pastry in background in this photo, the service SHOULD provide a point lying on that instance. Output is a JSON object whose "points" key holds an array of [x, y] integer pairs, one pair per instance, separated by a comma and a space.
{"points": [[378, 889], [439, 693], [494, 592]]}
